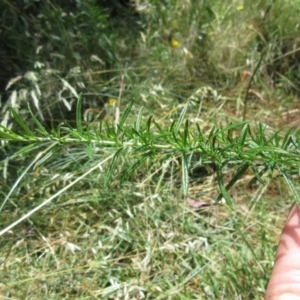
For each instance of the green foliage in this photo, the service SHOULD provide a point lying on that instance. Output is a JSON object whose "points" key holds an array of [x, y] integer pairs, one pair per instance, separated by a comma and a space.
{"points": [[259, 151], [107, 180]]}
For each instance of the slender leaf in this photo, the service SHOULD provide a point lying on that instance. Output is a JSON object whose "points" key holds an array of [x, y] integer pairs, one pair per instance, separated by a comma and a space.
{"points": [[79, 114], [149, 122], [8, 135], [270, 150], [212, 133], [26, 149], [125, 115], [181, 118], [287, 139], [292, 188], [275, 139], [230, 136], [37, 122], [243, 134], [136, 165], [224, 192], [112, 165], [139, 119], [21, 123], [159, 127], [171, 128], [237, 175], [185, 133], [258, 176], [185, 174], [89, 151], [233, 126], [262, 137]]}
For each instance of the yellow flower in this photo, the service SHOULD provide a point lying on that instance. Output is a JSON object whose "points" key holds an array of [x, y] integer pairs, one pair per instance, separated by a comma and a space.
{"points": [[175, 43], [240, 7], [111, 102], [110, 107]]}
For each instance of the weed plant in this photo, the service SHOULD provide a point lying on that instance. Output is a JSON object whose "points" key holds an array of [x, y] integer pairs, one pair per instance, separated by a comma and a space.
{"points": [[128, 171]]}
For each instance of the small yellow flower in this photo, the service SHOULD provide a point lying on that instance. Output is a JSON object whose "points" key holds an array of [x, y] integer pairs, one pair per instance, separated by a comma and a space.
{"points": [[110, 107], [175, 43], [240, 7], [111, 102]]}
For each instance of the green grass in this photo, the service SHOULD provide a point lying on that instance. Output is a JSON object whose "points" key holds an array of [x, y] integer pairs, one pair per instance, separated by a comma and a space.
{"points": [[132, 241], [101, 210]]}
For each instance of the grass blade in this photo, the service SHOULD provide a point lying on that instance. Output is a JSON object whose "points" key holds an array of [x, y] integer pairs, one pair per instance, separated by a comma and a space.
{"points": [[47, 201], [46, 156], [185, 174], [79, 114]]}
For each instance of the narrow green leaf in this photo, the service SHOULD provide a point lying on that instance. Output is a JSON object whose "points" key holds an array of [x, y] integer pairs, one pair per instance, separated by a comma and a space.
{"points": [[232, 126], [275, 139], [173, 124], [185, 175], [287, 139], [292, 188], [199, 131], [176, 139], [136, 165], [237, 175], [258, 176], [8, 135], [89, 151], [243, 134], [159, 127], [262, 137], [148, 126], [79, 114], [37, 122], [139, 119], [230, 136], [110, 131], [111, 166], [125, 115], [26, 149], [212, 133], [224, 192], [185, 133], [269, 149], [21, 123], [181, 118]]}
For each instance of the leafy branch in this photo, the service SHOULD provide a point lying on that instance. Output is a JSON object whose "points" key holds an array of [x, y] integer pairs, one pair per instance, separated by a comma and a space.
{"points": [[234, 145]]}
